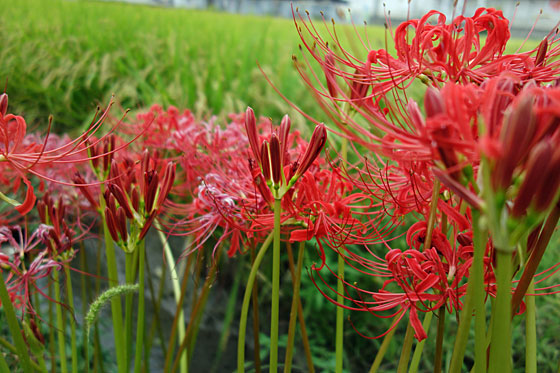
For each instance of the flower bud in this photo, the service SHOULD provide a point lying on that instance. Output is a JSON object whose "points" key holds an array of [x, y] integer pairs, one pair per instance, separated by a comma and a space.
{"points": [[251, 128], [517, 133], [3, 104], [548, 190], [541, 52], [265, 159], [433, 103], [316, 144], [359, 86], [275, 160], [284, 132], [328, 68], [111, 224], [121, 198], [537, 166]]}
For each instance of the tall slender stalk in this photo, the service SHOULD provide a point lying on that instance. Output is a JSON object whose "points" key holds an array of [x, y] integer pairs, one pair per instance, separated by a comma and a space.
{"points": [[74, 347], [480, 237], [116, 306], [13, 326], [51, 331], [415, 362], [3, 365], [295, 302], [60, 324], [531, 332], [438, 360], [406, 349], [245, 304], [339, 337], [178, 325], [255, 306], [275, 289], [475, 296], [129, 264], [141, 309], [500, 345]]}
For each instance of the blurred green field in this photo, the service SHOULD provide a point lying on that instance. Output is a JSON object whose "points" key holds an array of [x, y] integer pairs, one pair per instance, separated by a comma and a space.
{"points": [[66, 57]]}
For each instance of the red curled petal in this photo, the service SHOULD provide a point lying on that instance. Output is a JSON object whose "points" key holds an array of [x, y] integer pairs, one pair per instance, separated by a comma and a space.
{"points": [[30, 199]]}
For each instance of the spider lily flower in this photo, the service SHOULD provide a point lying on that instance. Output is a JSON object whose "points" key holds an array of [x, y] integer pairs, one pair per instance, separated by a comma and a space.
{"points": [[271, 154], [415, 281], [26, 260], [135, 195]]}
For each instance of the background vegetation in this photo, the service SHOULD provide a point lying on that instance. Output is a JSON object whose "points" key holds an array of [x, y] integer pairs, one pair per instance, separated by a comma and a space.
{"points": [[65, 58]]}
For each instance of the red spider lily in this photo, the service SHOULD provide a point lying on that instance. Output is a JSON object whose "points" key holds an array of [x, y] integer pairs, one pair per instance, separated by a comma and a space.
{"points": [[416, 281], [333, 213], [26, 262], [214, 188], [438, 53], [136, 194], [271, 155], [21, 154]]}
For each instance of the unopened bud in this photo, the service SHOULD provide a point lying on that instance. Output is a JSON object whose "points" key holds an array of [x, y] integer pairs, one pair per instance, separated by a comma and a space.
{"points": [[537, 166], [251, 128], [316, 144], [275, 160], [433, 103], [3, 104], [265, 159], [328, 68], [517, 133], [541, 52]]}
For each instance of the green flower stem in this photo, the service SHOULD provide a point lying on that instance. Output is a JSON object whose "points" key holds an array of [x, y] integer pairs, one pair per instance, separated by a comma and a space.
{"points": [[14, 327], [339, 341], [384, 346], [10, 347], [305, 339], [52, 342], [531, 332], [295, 302], [339, 336], [474, 298], [480, 238], [141, 309], [406, 348], [85, 295], [129, 265], [256, 328], [537, 251], [275, 289], [178, 325], [438, 359], [3, 365], [415, 362], [60, 324], [97, 353], [74, 347], [245, 305], [500, 345], [116, 305]]}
